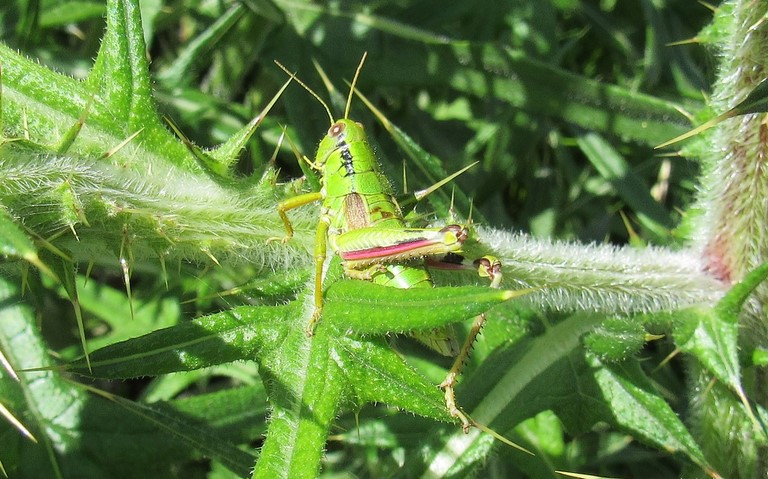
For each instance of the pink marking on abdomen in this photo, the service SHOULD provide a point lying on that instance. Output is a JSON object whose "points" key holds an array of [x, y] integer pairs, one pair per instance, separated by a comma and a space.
{"points": [[383, 251]]}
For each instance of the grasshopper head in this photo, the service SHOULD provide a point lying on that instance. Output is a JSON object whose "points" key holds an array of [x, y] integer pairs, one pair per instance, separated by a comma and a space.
{"points": [[342, 132], [346, 131]]}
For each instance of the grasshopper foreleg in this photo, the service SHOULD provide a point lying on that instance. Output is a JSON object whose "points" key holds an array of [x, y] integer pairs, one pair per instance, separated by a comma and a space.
{"points": [[321, 247], [284, 206]]}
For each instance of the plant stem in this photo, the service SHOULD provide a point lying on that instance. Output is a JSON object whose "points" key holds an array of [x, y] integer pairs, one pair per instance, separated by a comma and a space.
{"points": [[732, 231]]}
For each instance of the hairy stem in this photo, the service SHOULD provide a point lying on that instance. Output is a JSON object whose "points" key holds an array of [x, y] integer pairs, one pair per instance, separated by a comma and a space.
{"points": [[732, 231]]}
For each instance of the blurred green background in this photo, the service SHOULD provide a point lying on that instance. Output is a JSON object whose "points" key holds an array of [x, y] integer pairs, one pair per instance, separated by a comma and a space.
{"points": [[561, 102], [512, 84]]}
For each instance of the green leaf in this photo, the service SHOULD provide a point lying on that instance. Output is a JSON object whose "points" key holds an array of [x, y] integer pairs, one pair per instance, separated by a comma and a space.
{"points": [[70, 12], [712, 335], [120, 77], [522, 82], [553, 372], [44, 396], [190, 432], [101, 440], [377, 373], [178, 73], [305, 385], [616, 339], [501, 393], [637, 408], [236, 413], [306, 376], [713, 341], [349, 305], [213, 339]]}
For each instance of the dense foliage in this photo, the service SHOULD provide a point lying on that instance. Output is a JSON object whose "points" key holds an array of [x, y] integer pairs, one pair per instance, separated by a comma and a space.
{"points": [[145, 146]]}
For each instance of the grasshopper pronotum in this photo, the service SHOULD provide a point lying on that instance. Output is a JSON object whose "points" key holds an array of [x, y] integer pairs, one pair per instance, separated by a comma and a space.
{"points": [[362, 222]]}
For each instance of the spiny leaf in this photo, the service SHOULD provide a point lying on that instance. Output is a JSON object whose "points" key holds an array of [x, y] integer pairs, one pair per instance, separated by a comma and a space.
{"points": [[213, 339], [305, 386], [371, 308], [712, 335], [377, 373], [120, 75], [638, 408]]}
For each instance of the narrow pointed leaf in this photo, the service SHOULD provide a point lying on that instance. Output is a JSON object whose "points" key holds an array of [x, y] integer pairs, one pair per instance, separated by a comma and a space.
{"points": [[214, 339], [349, 305], [197, 436], [178, 73]]}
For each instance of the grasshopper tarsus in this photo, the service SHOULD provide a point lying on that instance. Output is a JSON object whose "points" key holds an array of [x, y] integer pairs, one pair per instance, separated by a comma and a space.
{"points": [[281, 239], [450, 402], [316, 314]]}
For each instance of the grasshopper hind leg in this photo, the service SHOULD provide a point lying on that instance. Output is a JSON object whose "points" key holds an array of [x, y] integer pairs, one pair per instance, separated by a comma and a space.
{"points": [[487, 267]]}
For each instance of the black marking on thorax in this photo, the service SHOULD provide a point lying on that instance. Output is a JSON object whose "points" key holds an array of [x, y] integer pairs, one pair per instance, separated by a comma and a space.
{"points": [[347, 161]]}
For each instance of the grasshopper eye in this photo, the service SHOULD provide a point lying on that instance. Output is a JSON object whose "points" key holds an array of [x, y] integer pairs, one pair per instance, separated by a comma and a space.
{"points": [[336, 130]]}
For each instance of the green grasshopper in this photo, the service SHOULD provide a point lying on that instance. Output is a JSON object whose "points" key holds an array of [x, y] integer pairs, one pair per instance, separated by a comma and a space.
{"points": [[362, 222]]}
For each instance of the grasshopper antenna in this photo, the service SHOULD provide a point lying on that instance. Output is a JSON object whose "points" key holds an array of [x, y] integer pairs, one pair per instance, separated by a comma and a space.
{"points": [[311, 91], [352, 87]]}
